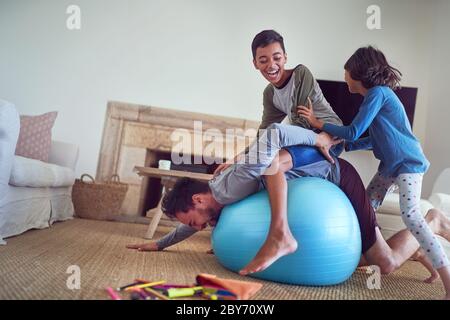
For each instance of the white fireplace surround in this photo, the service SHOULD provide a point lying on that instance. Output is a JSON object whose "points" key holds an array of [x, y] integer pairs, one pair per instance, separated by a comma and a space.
{"points": [[133, 133]]}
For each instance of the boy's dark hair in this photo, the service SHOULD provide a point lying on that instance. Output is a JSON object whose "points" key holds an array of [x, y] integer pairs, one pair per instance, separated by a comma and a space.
{"points": [[179, 199], [369, 65], [266, 37]]}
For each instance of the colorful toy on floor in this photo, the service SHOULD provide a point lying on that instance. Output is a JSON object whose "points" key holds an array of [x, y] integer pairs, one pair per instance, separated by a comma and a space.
{"points": [[207, 287]]}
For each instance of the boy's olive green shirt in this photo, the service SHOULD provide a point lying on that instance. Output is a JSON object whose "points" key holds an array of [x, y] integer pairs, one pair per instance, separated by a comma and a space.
{"points": [[281, 102]]}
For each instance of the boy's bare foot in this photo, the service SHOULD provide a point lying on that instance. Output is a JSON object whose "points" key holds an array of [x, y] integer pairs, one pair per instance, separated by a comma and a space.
{"points": [[423, 259], [439, 223], [275, 246]]}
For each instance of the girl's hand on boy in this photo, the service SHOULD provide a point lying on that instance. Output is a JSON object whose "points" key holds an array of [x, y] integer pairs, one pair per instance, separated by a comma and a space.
{"points": [[308, 113], [324, 142]]}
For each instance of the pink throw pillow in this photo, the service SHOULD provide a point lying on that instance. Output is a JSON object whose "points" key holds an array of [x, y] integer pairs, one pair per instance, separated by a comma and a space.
{"points": [[35, 137]]}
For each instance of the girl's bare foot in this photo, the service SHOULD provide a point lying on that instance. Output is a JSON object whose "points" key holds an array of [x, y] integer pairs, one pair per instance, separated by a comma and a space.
{"points": [[423, 259], [276, 246], [432, 278]]}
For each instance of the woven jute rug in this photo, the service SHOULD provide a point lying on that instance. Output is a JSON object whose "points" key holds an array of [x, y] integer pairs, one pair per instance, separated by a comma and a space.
{"points": [[39, 264]]}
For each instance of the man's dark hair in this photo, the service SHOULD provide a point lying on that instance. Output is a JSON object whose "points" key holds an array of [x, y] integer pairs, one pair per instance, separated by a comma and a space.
{"points": [[266, 37], [370, 66], [179, 199]]}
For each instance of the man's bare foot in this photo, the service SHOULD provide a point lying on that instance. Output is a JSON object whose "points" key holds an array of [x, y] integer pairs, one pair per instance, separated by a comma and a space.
{"points": [[439, 223], [423, 259], [273, 248]]}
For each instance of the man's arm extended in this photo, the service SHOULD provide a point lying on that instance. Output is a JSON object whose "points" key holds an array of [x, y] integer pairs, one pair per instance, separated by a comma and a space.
{"points": [[180, 233]]}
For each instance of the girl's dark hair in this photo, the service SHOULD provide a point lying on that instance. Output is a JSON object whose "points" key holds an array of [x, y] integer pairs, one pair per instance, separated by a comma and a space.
{"points": [[179, 199], [369, 65], [266, 37]]}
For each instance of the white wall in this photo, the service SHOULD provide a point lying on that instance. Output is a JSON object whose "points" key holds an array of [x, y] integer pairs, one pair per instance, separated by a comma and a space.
{"points": [[188, 54], [437, 145]]}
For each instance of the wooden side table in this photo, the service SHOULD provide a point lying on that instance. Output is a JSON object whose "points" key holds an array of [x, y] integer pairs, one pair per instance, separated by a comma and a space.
{"points": [[164, 175]]}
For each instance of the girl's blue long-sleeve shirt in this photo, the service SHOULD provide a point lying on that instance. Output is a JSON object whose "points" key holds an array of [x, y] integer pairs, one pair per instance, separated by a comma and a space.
{"points": [[390, 134]]}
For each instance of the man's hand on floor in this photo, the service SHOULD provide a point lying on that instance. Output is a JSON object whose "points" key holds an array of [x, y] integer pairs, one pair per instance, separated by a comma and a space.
{"points": [[150, 246]]}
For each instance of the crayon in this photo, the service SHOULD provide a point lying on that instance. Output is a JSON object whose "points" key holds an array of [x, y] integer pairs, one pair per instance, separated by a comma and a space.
{"points": [[168, 286], [113, 294], [144, 285], [128, 285], [156, 294]]}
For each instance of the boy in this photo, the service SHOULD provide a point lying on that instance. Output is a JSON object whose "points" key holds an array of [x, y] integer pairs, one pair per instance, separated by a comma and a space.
{"points": [[287, 89]]}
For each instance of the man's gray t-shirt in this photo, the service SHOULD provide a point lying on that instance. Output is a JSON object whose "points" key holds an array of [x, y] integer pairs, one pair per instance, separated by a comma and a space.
{"points": [[235, 184]]}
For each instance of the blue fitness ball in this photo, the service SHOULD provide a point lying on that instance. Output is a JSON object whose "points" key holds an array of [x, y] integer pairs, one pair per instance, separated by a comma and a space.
{"points": [[320, 217]]}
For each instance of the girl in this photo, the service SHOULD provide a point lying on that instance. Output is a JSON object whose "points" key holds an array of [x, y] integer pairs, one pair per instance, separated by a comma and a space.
{"points": [[402, 161]]}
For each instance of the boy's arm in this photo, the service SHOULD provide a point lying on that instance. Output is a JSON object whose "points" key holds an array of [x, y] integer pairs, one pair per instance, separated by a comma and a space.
{"points": [[180, 233], [305, 87], [360, 144]]}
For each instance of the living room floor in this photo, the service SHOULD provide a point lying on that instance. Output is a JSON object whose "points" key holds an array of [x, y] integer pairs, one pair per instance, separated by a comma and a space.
{"points": [[34, 265]]}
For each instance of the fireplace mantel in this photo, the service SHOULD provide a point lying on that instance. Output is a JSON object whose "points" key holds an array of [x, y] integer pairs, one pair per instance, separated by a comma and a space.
{"points": [[131, 130]]}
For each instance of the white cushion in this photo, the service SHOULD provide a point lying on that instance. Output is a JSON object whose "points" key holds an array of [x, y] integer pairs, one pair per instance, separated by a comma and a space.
{"points": [[441, 201], [442, 183], [9, 133], [390, 223], [34, 173], [391, 205]]}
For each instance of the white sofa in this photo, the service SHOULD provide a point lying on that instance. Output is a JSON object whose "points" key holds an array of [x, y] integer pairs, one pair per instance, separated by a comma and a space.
{"points": [[33, 194], [389, 217]]}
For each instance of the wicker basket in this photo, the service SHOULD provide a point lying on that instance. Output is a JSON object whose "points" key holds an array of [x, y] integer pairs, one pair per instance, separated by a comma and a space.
{"points": [[98, 200]]}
